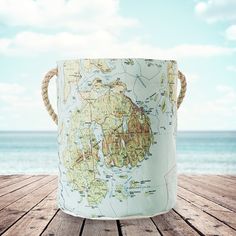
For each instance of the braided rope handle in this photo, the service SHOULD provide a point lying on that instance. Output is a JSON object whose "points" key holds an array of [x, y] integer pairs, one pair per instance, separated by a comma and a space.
{"points": [[53, 72], [183, 89], [44, 91]]}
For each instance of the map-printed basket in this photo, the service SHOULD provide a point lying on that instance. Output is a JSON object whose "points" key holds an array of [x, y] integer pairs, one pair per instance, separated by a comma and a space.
{"points": [[117, 123]]}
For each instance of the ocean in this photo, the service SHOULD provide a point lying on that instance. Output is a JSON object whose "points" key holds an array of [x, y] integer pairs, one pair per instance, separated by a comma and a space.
{"points": [[199, 152]]}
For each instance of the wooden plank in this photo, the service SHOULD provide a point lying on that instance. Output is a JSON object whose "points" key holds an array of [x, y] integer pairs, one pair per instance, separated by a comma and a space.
{"points": [[205, 206], [63, 224], [144, 227], [18, 185], [15, 179], [227, 179], [231, 176], [198, 188], [172, 224], [16, 210], [221, 213], [212, 180], [100, 227], [207, 178], [33, 223], [202, 221], [14, 196], [5, 177], [216, 184], [8, 176]]}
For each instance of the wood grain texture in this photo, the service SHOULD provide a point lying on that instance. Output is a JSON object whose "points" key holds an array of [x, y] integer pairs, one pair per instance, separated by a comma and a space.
{"points": [[172, 224], [221, 213], [14, 196], [143, 227], [63, 224], [37, 218], [211, 193], [205, 206], [103, 227], [18, 185], [9, 180], [22, 206], [203, 222], [216, 184]]}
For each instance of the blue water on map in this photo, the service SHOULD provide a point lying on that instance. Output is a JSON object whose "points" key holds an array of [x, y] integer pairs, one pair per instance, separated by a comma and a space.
{"points": [[197, 152]]}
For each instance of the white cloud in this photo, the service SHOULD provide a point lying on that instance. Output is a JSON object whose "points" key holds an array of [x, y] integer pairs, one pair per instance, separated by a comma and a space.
{"points": [[22, 107], [231, 68], [90, 29], [225, 105], [227, 98], [192, 77], [219, 10], [99, 43], [231, 32], [14, 97], [212, 114], [85, 29], [6, 88], [216, 10], [76, 15], [198, 50]]}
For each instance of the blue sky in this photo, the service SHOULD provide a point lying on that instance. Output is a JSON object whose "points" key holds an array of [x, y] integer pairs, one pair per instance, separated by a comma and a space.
{"points": [[200, 35]]}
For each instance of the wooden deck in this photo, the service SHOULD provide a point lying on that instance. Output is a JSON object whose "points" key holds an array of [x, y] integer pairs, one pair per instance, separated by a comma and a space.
{"points": [[206, 206]]}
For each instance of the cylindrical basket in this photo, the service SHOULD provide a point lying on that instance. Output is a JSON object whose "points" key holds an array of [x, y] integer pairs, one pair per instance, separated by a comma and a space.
{"points": [[117, 122]]}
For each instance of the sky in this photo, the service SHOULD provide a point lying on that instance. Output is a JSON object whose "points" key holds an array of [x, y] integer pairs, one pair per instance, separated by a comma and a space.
{"points": [[200, 35]]}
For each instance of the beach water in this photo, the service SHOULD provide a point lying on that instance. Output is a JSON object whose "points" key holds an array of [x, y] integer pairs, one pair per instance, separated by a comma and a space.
{"points": [[206, 152], [197, 152]]}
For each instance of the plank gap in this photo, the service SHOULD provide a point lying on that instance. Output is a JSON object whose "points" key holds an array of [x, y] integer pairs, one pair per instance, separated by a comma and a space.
{"points": [[19, 187], [198, 231], [119, 228], [25, 212], [209, 198], [210, 206], [21, 196], [156, 227], [82, 228], [222, 221], [49, 222]]}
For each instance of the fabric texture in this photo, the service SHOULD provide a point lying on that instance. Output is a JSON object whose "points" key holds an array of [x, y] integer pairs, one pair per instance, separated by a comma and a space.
{"points": [[116, 132]]}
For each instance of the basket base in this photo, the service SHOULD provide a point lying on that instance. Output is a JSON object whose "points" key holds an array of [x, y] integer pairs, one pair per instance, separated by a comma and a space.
{"points": [[115, 218]]}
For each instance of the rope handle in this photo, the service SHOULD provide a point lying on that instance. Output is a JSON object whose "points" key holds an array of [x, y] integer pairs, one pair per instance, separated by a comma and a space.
{"points": [[183, 89], [44, 91], [54, 71]]}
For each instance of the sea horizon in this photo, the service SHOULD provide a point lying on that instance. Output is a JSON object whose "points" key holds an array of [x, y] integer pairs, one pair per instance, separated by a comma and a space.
{"points": [[198, 152]]}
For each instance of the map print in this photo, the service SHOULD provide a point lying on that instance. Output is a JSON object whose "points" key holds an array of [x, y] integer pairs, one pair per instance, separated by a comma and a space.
{"points": [[115, 116]]}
